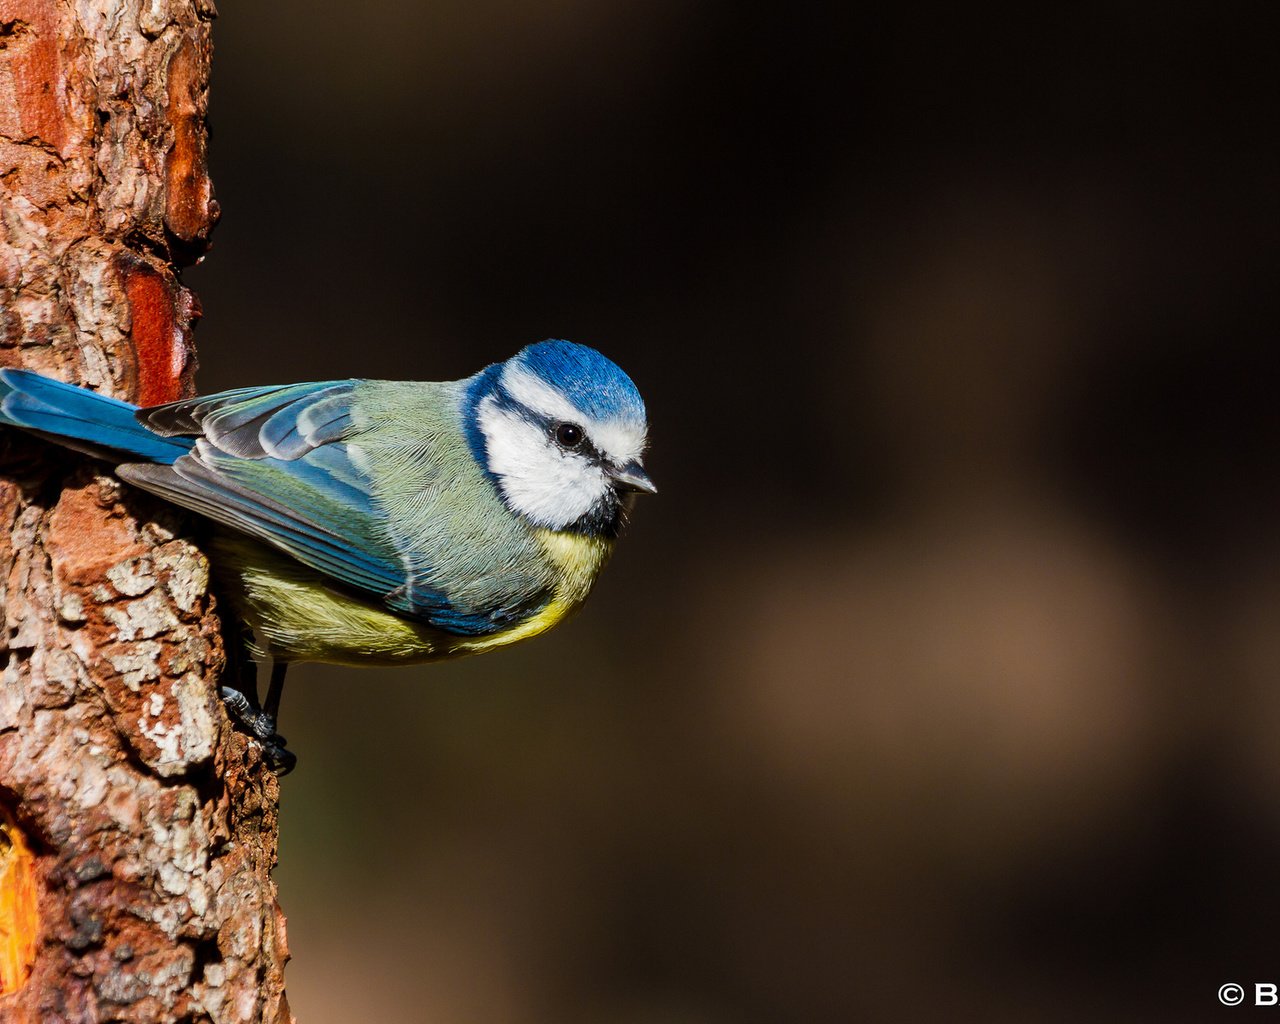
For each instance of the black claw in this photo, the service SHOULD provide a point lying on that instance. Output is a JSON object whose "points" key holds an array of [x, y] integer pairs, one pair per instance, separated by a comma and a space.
{"points": [[281, 761], [262, 727]]}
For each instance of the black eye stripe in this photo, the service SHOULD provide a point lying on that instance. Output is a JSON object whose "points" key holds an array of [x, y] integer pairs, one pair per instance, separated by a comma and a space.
{"points": [[576, 442], [552, 426]]}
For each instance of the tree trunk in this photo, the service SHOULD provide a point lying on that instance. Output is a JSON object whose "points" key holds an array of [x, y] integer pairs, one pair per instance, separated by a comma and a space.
{"points": [[137, 829]]}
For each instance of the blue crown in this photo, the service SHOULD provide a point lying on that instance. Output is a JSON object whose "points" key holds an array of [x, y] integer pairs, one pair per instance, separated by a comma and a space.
{"points": [[594, 384]]}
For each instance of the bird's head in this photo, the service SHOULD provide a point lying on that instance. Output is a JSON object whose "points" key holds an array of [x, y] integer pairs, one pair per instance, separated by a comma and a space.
{"points": [[560, 430]]}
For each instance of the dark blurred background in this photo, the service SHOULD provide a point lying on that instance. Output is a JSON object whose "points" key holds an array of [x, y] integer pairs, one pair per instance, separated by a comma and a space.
{"points": [[940, 680]]}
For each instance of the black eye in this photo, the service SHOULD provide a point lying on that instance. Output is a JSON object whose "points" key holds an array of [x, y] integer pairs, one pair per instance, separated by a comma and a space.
{"points": [[569, 435]]}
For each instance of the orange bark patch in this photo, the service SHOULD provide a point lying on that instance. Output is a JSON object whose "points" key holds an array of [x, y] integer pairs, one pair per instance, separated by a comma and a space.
{"points": [[82, 542], [157, 336], [190, 211], [19, 912], [34, 105]]}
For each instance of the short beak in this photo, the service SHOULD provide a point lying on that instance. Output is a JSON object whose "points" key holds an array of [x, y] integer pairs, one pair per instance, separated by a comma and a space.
{"points": [[632, 477]]}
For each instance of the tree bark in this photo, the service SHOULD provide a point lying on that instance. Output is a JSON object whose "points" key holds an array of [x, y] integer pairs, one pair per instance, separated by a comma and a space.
{"points": [[137, 828]]}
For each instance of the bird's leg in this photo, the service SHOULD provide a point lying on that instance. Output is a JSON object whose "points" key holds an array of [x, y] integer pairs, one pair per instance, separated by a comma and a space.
{"points": [[261, 723], [281, 760], [241, 675], [276, 690], [242, 705]]}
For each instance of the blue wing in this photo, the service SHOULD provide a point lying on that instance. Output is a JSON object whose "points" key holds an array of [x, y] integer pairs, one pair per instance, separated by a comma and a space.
{"points": [[81, 419], [276, 464]]}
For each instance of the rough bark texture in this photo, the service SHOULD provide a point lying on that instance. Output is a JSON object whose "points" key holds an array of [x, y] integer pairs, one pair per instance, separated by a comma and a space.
{"points": [[152, 823]]}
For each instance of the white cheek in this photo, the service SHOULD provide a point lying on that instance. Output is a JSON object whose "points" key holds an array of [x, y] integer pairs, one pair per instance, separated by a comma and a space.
{"points": [[538, 480]]}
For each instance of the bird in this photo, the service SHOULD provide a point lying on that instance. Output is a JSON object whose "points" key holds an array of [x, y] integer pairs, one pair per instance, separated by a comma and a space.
{"points": [[373, 522]]}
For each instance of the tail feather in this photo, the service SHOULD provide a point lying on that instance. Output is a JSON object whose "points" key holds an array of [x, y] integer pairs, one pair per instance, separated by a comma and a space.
{"points": [[82, 419]]}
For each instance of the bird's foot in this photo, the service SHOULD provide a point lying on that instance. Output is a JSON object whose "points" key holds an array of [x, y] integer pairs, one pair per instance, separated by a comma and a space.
{"points": [[262, 727], [259, 724], [279, 760]]}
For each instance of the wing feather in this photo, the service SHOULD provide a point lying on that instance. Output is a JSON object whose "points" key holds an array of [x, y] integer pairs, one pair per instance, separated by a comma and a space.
{"points": [[282, 422], [283, 465]]}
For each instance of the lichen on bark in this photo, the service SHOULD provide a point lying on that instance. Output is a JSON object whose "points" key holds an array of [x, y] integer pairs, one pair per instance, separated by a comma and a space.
{"points": [[151, 823]]}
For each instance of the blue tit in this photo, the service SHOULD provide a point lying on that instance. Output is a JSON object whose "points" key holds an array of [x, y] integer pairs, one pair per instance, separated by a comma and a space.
{"points": [[379, 522]]}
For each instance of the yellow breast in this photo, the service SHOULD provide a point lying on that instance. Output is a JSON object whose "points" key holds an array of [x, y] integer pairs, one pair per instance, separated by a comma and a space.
{"points": [[578, 560], [299, 617]]}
